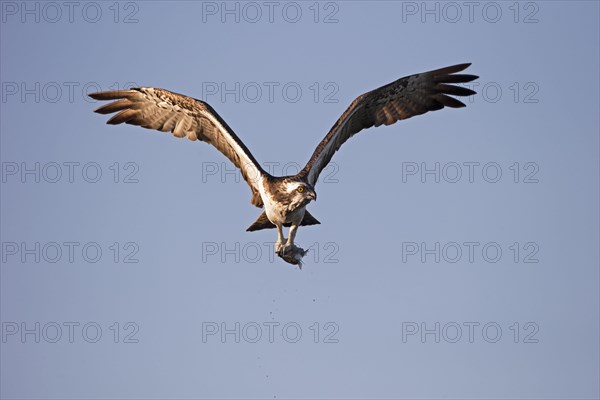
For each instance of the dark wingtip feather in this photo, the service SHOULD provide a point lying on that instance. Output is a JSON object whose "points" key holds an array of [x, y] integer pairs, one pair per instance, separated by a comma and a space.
{"points": [[449, 101], [460, 67], [457, 78], [451, 69], [456, 90]]}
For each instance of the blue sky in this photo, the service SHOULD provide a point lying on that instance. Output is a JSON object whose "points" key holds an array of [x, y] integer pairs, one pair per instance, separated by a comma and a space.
{"points": [[458, 251]]}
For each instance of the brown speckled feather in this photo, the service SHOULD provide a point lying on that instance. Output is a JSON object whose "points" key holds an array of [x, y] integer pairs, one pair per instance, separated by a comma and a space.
{"points": [[402, 99], [183, 116]]}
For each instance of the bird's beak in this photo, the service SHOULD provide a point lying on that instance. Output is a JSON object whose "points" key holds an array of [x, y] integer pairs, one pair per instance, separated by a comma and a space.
{"points": [[313, 195]]}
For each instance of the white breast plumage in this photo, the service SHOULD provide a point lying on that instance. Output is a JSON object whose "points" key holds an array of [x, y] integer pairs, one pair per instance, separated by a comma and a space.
{"points": [[275, 210]]}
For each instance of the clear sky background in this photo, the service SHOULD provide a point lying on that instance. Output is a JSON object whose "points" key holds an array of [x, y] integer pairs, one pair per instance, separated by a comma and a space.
{"points": [[464, 284]]}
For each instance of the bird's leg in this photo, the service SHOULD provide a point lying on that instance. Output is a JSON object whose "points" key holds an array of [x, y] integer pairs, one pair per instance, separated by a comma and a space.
{"points": [[289, 244], [280, 239], [292, 235]]}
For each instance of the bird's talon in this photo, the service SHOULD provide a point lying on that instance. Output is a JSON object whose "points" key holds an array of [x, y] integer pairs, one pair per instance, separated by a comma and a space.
{"points": [[279, 247]]}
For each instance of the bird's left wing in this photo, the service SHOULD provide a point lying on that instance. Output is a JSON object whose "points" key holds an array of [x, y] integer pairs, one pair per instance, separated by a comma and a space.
{"points": [[184, 116], [402, 99]]}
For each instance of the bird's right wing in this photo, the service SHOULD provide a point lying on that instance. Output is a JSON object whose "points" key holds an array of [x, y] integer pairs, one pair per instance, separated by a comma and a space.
{"points": [[184, 116], [402, 99]]}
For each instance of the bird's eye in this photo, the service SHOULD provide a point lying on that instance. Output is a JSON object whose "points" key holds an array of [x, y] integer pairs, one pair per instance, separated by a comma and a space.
{"points": [[300, 189]]}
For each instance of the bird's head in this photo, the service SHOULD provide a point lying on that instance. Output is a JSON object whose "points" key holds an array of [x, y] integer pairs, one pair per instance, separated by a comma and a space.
{"points": [[300, 193]]}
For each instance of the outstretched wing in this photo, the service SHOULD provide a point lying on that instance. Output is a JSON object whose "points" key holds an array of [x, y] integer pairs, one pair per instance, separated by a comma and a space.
{"points": [[183, 116], [402, 99]]}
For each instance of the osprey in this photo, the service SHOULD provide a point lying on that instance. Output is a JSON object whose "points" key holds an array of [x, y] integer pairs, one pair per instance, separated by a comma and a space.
{"points": [[285, 198]]}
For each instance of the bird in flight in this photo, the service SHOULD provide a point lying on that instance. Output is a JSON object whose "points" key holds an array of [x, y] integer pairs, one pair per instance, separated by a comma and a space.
{"points": [[285, 198]]}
